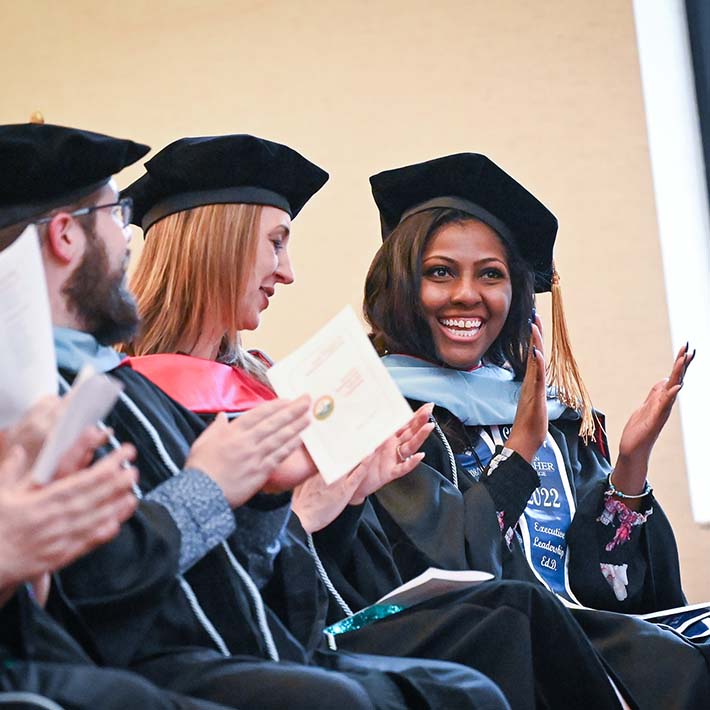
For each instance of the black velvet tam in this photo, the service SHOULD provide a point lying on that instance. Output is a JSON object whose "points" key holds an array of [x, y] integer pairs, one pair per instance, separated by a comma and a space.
{"points": [[475, 184], [44, 166], [223, 169]]}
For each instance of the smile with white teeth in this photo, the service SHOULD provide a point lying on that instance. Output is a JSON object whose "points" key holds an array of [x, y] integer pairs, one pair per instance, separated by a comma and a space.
{"points": [[467, 327]]}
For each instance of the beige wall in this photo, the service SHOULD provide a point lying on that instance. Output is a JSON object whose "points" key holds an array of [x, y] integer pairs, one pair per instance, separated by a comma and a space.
{"points": [[549, 89]]}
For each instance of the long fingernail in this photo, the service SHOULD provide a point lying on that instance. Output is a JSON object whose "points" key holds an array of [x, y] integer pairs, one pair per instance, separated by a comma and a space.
{"points": [[534, 314], [534, 352], [687, 345], [530, 325]]}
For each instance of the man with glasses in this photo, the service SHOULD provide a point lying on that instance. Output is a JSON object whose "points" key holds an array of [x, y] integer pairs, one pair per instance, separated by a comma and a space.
{"points": [[99, 279], [169, 578]]}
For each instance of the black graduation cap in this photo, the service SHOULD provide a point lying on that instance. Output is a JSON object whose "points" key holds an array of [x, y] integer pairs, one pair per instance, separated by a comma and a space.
{"points": [[43, 166], [223, 169], [475, 184]]}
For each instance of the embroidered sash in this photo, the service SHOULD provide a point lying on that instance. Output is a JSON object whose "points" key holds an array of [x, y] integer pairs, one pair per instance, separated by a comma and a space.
{"points": [[549, 511]]}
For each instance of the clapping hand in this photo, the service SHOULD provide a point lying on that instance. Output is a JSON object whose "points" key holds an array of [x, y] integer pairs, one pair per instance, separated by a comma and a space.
{"points": [[43, 528], [317, 504], [644, 426], [396, 456], [241, 455], [530, 426]]}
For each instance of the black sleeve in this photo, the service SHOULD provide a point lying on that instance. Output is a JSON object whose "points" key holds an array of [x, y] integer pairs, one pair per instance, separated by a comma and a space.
{"points": [[603, 552], [510, 485], [357, 557], [109, 599]]}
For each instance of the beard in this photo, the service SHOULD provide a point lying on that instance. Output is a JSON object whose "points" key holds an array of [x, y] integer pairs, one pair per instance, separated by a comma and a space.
{"points": [[99, 297]]}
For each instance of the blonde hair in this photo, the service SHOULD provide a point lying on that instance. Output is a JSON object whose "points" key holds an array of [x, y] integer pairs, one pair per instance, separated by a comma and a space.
{"points": [[194, 268]]}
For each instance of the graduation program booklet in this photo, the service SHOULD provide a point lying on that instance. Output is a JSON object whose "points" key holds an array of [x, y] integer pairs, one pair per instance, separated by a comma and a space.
{"points": [[355, 403], [27, 361], [428, 585], [90, 399], [433, 583]]}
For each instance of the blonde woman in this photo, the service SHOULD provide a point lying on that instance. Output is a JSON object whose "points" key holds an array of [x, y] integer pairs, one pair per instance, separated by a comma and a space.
{"points": [[217, 216]]}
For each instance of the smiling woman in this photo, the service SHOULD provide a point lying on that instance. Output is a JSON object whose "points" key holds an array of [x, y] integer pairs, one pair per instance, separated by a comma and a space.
{"points": [[465, 243], [466, 291], [217, 214], [190, 303], [509, 484]]}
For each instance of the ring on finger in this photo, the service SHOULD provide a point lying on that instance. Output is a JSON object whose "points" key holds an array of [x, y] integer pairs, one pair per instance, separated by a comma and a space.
{"points": [[400, 456]]}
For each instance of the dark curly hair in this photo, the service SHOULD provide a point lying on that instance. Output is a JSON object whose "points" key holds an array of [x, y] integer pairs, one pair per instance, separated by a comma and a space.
{"points": [[392, 303]]}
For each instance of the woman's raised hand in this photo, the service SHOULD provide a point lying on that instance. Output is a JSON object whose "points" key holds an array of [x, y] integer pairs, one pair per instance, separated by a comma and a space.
{"points": [[530, 425], [241, 455], [644, 426], [317, 504], [396, 456]]}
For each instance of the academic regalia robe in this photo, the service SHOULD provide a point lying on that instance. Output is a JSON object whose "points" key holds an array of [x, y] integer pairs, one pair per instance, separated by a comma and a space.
{"points": [[642, 658], [420, 511], [41, 661], [507, 630], [500, 629], [429, 521], [188, 640]]}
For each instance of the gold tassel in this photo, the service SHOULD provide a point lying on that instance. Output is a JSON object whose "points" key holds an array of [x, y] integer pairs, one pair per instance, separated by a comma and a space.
{"points": [[563, 371]]}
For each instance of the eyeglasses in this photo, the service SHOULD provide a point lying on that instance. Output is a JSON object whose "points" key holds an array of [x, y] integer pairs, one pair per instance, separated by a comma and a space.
{"points": [[121, 211]]}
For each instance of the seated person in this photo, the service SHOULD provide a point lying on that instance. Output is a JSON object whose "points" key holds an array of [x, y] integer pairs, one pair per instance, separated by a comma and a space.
{"points": [[466, 246]]}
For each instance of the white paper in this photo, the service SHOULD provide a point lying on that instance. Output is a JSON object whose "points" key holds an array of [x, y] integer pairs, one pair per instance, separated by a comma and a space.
{"points": [[355, 403], [27, 360], [90, 399], [433, 583]]}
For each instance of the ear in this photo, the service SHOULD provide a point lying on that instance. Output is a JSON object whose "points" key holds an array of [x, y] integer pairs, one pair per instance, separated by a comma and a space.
{"points": [[64, 238]]}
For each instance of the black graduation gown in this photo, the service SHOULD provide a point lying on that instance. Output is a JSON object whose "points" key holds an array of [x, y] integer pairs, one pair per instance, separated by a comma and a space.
{"points": [[134, 612], [430, 522], [40, 659], [421, 511], [472, 628], [507, 630]]}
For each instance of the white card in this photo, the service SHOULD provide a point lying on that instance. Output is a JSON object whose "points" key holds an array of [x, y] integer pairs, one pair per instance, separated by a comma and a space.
{"points": [[28, 368], [90, 399], [355, 403]]}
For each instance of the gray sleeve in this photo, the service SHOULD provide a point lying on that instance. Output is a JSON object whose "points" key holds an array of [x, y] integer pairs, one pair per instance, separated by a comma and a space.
{"points": [[200, 511]]}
